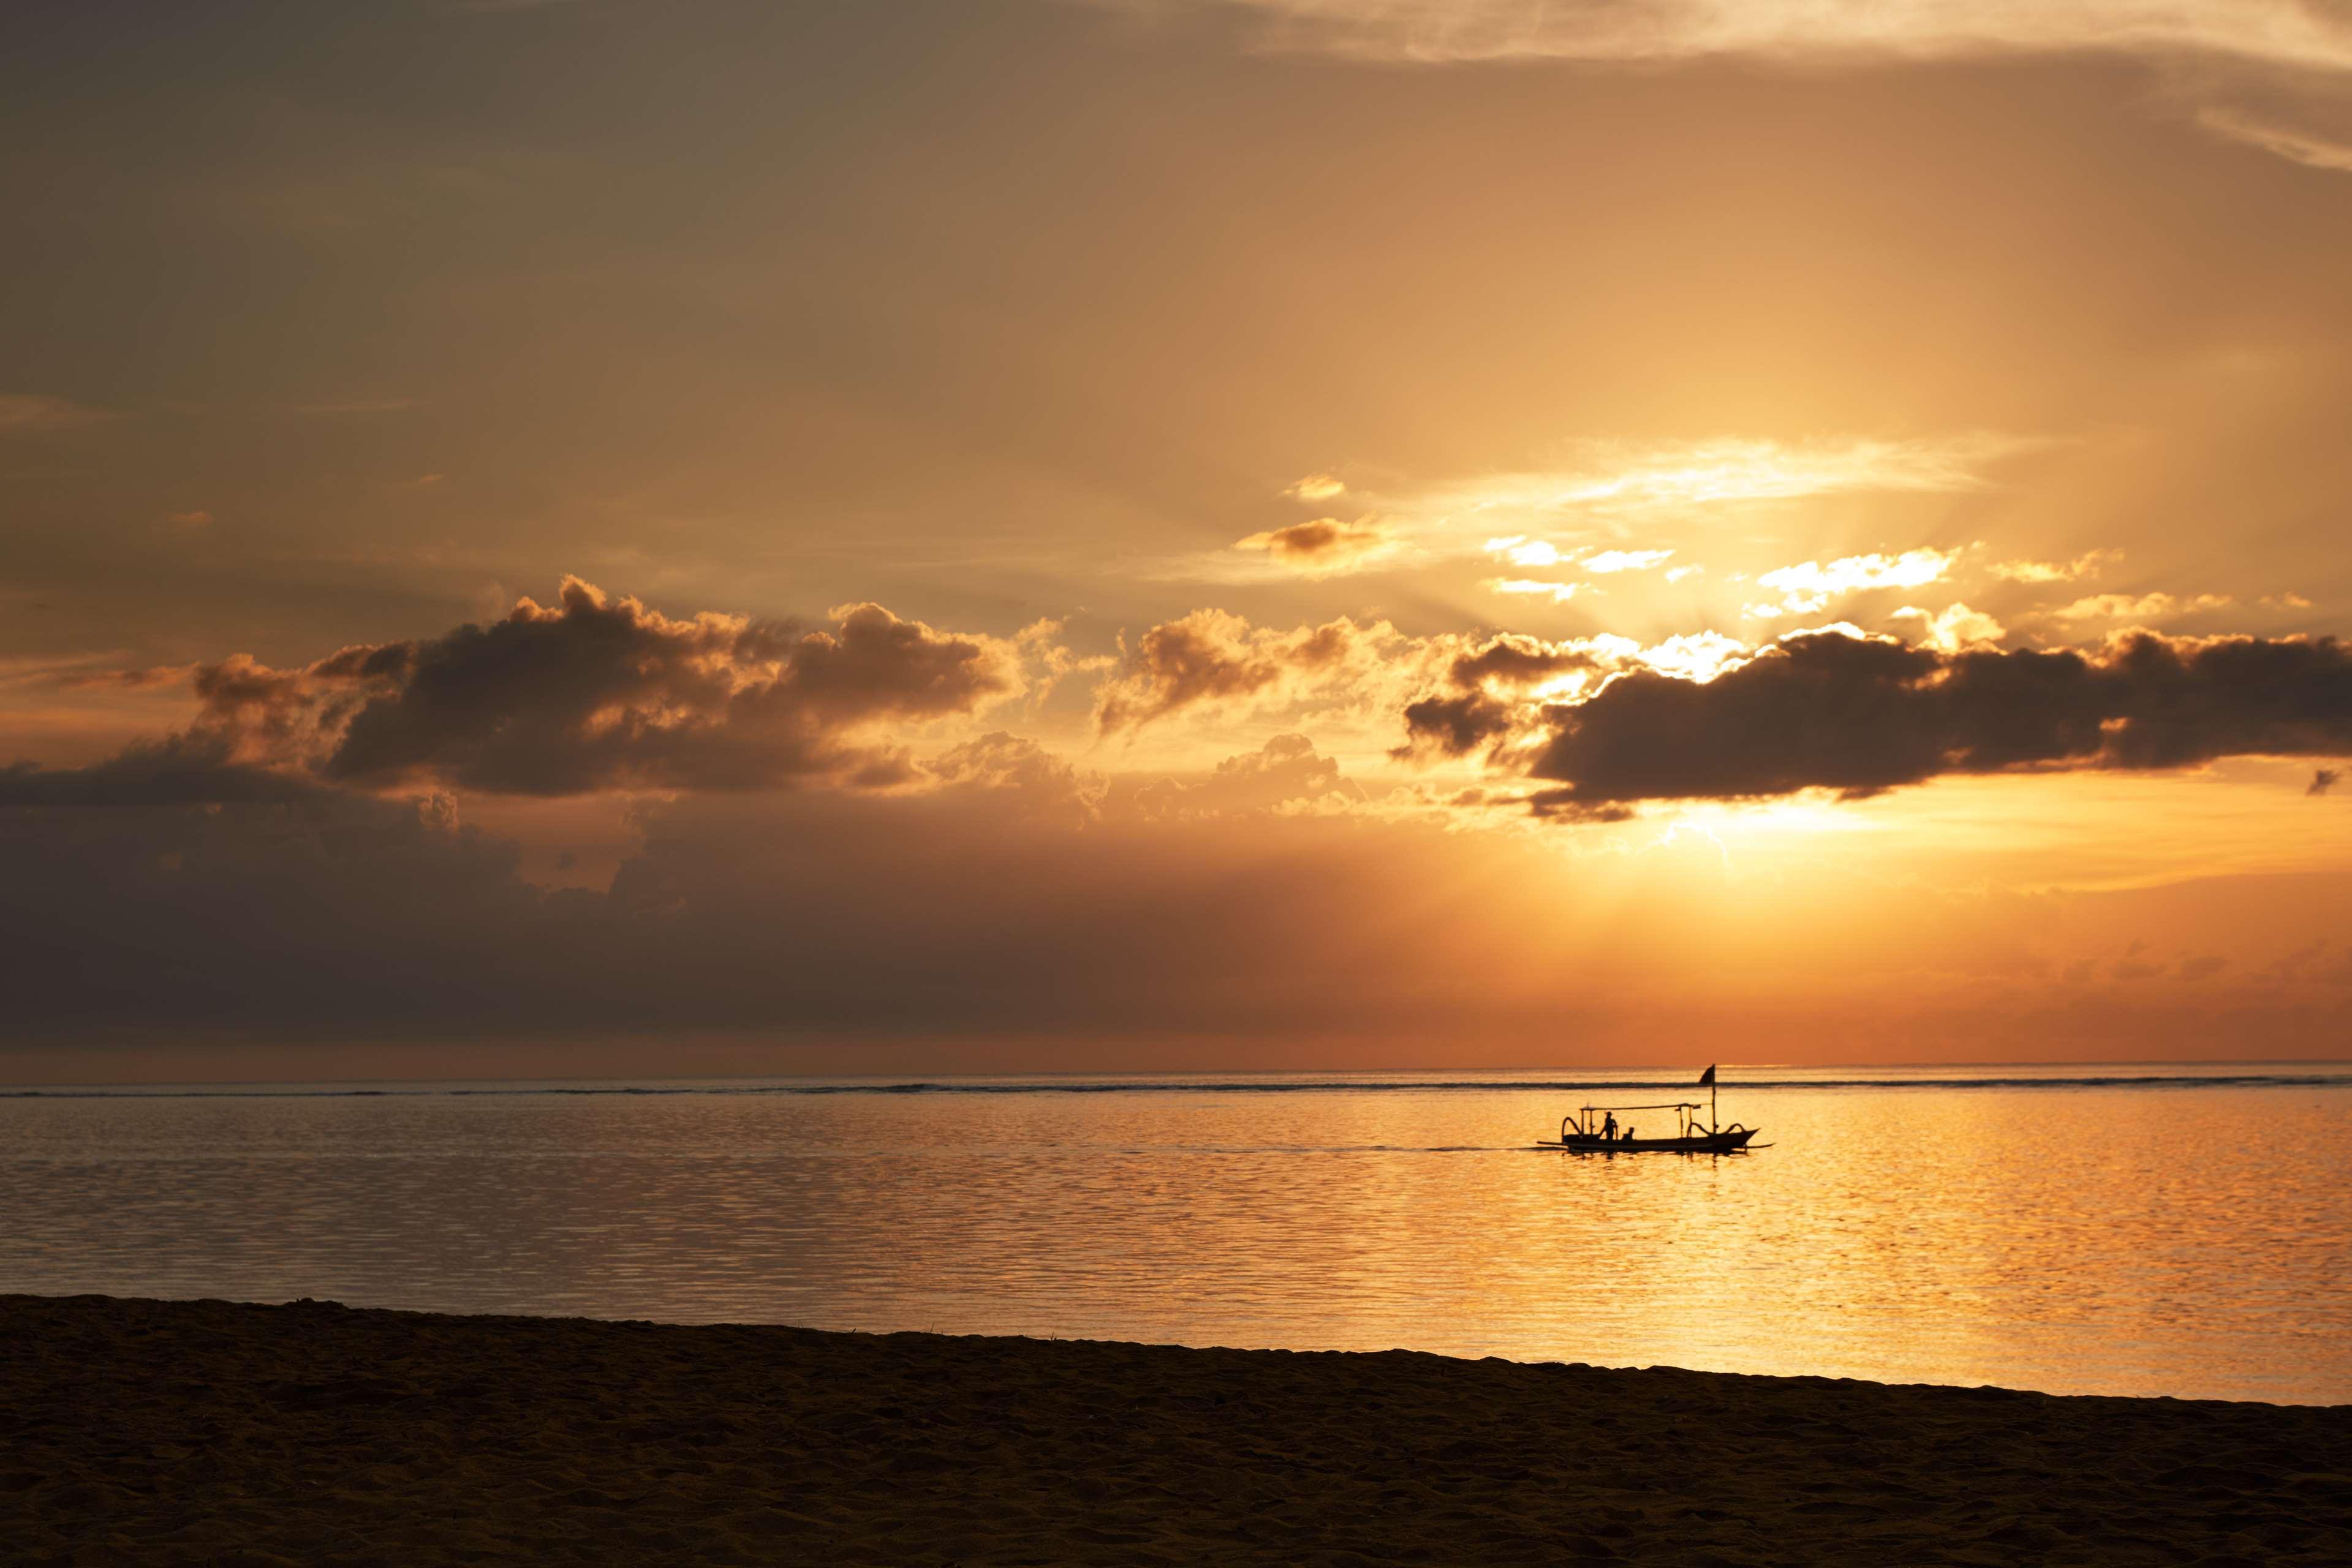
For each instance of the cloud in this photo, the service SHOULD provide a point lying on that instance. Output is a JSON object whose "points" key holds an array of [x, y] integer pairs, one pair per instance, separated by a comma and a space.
{"points": [[1013, 765], [1315, 487], [1286, 776], [2272, 44], [1491, 680], [1004, 895], [2279, 32], [2296, 146], [1611, 560], [1513, 661], [1520, 551], [1562, 516], [1534, 588], [1859, 715], [1954, 627], [1809, 585], [36, 413], [2143, 607], [2085, 565], [1324, 546], [1499, 685], [1454, 726], [182, 771], [1693, 655], [961, 913], [133, 680], [599, 693], [1211, 658]]}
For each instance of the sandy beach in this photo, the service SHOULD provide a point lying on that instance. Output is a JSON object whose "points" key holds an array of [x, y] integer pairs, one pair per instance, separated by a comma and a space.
{"points": [[137, 1431]]}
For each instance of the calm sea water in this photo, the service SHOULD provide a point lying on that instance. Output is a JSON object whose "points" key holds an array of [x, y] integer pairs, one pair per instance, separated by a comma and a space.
{"points": [[2179, 1230]]}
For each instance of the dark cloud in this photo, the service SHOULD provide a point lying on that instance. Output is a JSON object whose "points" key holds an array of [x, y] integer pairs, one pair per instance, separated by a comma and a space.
{"points": [[1566, 806], [591, 692], [986, 904], [1324, 544], [1473, 715], [183, 770], [319, 909], [981, 915], [1454, 726], [1860, 716], [595, 692], [1514, 661], [123, 680]]}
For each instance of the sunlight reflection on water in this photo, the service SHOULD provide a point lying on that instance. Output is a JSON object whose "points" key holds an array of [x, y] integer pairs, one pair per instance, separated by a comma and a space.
{"points": [[2193, 1241]]}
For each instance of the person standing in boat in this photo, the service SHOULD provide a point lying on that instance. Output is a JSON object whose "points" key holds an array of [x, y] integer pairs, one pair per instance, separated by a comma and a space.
{"points": [[1609, 1129]]}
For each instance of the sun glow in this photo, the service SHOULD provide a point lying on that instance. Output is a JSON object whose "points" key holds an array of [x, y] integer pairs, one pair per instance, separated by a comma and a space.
{"points": [[1619, 477]]}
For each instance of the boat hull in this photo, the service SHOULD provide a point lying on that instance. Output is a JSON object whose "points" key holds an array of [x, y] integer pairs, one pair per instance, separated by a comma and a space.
{"points": [[1725, 1142]]}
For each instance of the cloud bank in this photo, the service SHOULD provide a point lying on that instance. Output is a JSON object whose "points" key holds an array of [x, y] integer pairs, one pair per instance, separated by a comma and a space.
{"points": [[2278, 47], [2266, 32], [591, 693], [291, 868], [1860, 715]]}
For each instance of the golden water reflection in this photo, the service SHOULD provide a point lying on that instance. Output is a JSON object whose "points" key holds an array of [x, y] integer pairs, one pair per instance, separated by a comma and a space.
{"points": [[2094, 1240]]}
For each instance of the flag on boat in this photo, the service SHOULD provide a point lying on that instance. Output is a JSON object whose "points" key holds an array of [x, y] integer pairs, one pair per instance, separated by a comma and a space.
{"points": [[1706, 1077]]}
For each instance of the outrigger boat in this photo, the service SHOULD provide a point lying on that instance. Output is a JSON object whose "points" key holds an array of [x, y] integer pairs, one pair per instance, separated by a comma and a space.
{"points": [[1595, 1130]]}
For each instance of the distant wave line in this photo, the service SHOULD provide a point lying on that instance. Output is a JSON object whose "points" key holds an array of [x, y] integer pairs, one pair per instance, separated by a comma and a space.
{"points": [[1210, 1086]]}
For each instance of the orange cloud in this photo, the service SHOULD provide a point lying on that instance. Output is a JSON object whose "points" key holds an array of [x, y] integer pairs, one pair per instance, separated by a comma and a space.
{"points": [[2143, 607], [1323, 546], [2085, 565], [2279, 32], [1317, 487], [2312, 151], [1214, 659]]}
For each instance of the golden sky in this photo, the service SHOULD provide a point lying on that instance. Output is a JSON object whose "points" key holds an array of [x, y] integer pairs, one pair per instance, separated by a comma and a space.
{"points": [[591, 535]]}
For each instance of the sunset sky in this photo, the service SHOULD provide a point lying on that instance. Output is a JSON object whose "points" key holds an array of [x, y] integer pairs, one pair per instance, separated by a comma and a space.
{"points": [[576, 536]]}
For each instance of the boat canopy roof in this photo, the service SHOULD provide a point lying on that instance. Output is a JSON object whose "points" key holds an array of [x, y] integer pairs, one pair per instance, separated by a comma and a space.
{"points": [[1669, 1105]]}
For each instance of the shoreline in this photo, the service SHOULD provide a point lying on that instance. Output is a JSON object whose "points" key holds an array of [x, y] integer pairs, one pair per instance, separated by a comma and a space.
{"points": [[147, 1431]]}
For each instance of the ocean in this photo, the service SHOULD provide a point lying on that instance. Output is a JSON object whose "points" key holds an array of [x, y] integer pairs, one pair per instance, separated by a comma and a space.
{"points": [[2150, 1229]]}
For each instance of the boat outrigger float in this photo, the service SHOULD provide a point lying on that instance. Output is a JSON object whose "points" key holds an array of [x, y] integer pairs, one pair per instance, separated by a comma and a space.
{"points": [[1595, 1130]]}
